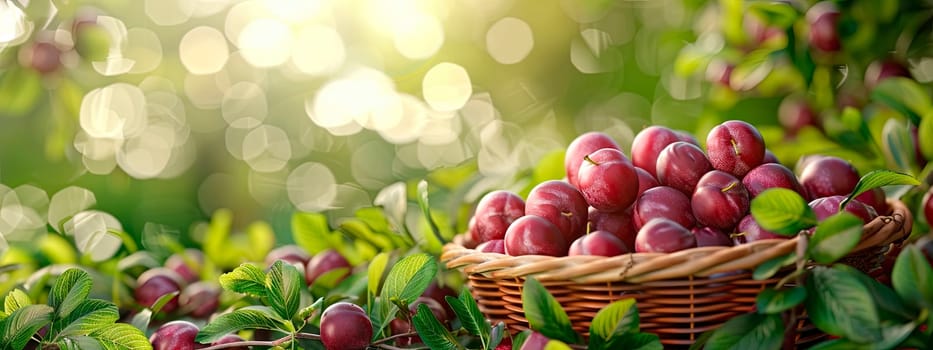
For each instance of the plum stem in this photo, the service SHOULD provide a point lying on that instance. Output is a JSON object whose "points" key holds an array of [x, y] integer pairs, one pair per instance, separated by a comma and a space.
{"points": [[729, 187], [588, 159], [735, 147]]}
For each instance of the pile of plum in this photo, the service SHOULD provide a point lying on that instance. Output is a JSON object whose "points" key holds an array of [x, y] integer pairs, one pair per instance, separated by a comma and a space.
{"points": [[668, 196]]}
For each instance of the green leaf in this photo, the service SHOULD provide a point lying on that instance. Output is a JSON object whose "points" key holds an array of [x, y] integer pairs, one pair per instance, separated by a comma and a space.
{"points": [[775, 14], [782, 211], [925, 136], [283, 289], [425, 205], [879, 178], [432, 332], [16, 299], [912, 278], [772, 301], [898, 145], [905, 96], [217, 239], [470, 316], [360, 230], [409, 278], [636, 341], [21, 324], [81, 342], [141, 319], [749, 331], [311, 232], [835, 237], [250, 317], [162, 300], [840, 344], [89, 316], [375, 271], [519, 339], [308, 311], [890, 306], [545, 314], [121, 336], [495, 335], [245, 279], [329, 280], [556, 345], [768, 268], [70, 289], [839, 305], [613, 321]]}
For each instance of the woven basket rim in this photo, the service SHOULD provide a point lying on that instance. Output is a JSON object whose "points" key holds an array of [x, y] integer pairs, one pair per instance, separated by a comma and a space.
{"points": [[644, 267]]}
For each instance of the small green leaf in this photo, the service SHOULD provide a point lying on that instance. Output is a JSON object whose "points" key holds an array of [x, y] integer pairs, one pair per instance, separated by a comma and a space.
{"points": [[637, 341], [782, 211], [768, 268], [164, 299], [250, 317], [519, 339], [495, 336], [613, 321], [21, 324], [749, 331], [375, 271], [89, 316], [432, 332], [840, 344], [879, 178], [835, 237], [425, 205], [409, 278], [16, 299], [121, 336], [905, 96], [245, 279], [912, 278], [309, 310], [839, 305], [925, 136], [545, 314], [311, 232], [141, 319], [70, 289], [772, 301], [283, 289], [556, 345], [470, 316]]}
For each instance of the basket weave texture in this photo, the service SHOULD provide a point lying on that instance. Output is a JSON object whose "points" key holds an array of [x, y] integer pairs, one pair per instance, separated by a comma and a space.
{"points": [[679, 295]]}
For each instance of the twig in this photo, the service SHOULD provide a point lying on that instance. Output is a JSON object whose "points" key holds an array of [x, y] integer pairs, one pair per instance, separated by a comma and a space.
{"points": [[247, 343], [393, 337]]}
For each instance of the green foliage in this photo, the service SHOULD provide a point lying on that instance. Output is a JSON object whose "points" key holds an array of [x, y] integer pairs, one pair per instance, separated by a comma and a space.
{"points": [[877, 179], [471, 317], [70, 289], [250, 317], [835, 237], [782, 211], [245, 279], [842, 306], [749, 331], [432, 332], [912, 278], [283, 289], [545, 314], [772, 301]]}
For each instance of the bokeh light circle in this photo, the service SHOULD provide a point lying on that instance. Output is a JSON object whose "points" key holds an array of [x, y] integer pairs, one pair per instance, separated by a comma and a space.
{"points": [[446, 87]]}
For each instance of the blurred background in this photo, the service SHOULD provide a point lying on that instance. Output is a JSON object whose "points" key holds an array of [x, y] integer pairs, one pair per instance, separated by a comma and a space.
{"points": [[157, 113]]}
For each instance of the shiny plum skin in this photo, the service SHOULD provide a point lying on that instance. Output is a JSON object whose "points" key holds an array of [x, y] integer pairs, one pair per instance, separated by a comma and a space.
{"points": [[291, 254], [661, 235], [770, 175], [580, 147], [647, 145], [680, 165], [600, 243], [645, 180], [875, 198], [720, 200], [927, 202], [187, 264], [535, 341], [155, 283], [533, 235], [828, 176], [663, 202], [493, 246], [345, 326], [200, 299], [749, 231], [324, 262], [711, 237], [621, 224], [494, 213], [880, 70], [735, 147], [827, 206], [823, 19], [230, 338], [770, 158], [794, 114], [608, 180], [561, 204], [176, 335]]}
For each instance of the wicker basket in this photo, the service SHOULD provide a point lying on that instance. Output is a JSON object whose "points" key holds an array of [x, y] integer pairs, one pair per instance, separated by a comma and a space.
{"points": [[679, 295]]}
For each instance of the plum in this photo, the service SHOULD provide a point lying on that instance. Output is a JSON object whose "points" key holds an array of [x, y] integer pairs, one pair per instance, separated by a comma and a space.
{"points": [[600, 243], [770, 175], [580, 147], [187, 264], [735, 147], [648, 143], [662, 235], [608, 180], [823, 18], [827, 206], [176, 335], [680, 165], [828, 176], [291, 254], [880, 70], [323, 262], [720, 200], [711, 237], [345, 326], [494, 213], [402, 326], [493, 246], [154, 283], [645, 180], [561, 204], [534, 235], [200, 299], [621, 224], [749, 231], [663, 202], [535, 341], [794, 113]]}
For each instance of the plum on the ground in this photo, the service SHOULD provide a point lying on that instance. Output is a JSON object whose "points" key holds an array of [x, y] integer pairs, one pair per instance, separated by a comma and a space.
{"points": [[326, 261], [533, 235], [345, 326], [154, 283], [580, 147], [561, 204], [663, 202], [770, 175], [735, 147], [608, 180], [662, 235], [176, 335], [494, 213]]}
